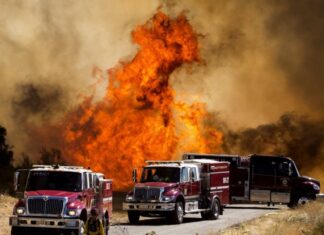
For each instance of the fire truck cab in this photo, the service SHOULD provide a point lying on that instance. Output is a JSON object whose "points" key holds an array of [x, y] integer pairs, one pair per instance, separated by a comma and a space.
{"points": [[265, 179], [175, 188], [59, 199]]}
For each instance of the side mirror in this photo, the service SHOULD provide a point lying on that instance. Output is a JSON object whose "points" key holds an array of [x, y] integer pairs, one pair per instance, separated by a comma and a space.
{"points": [[16, 181], [19, 184], [134, 175]]}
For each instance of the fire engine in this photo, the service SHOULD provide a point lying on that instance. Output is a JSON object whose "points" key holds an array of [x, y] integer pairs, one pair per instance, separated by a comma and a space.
{"points": [[175, 188], [59, 198], [265, 179]]}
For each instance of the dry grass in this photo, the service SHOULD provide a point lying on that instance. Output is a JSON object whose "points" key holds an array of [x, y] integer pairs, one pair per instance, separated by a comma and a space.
{"points": [[306, 220], [6, 207]]}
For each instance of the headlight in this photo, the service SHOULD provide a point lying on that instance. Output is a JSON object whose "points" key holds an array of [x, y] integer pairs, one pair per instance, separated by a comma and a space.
{"points": [[20, 210], [316, 187], [71, 212], [167, 198], [129, 198]]}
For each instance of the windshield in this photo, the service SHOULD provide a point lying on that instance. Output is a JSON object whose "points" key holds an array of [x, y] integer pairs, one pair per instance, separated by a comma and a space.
{"points": [[161, 174], [52, 180]]}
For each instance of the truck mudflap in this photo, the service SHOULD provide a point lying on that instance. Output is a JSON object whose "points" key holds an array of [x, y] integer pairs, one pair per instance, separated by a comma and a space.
{"points": [[148, 206], [51, 223]]}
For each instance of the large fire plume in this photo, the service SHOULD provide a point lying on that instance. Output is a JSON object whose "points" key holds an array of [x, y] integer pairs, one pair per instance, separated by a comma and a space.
{"points": [[139, 119]]}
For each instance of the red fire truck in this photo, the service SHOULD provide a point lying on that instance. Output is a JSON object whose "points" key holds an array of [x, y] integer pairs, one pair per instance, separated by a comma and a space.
{"points": [[266, 179], [59, 198], [175, 188]]}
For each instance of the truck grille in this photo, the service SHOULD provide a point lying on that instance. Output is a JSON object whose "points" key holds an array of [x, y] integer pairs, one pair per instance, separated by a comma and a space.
{"points": [[147, 194], [44, 205]]}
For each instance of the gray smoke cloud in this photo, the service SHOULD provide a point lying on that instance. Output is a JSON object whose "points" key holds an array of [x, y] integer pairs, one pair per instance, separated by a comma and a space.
{"points": [[49, 50], [262, 58], [291, 135]]}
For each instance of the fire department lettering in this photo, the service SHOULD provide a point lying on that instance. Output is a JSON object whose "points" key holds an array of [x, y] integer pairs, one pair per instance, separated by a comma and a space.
{"points": [[225, 180]]}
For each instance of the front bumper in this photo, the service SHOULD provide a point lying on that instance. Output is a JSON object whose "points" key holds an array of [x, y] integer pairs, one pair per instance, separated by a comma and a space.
{"points": [[52, 223], [142, 206]]}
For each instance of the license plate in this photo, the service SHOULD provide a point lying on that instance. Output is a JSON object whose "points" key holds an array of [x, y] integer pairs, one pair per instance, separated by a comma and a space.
{"points": [[147, 207], [43, 222]]}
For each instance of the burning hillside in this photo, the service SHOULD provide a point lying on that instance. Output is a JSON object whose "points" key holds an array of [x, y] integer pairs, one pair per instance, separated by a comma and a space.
{"points": [[138, 119]]}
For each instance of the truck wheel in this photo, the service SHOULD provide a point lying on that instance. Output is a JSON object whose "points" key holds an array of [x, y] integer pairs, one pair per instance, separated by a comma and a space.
{"points": [[215, 210], [204, 215], [84, 216], [298, 201], [82, 228], [177, 214], [133, 217], [16, 231]]}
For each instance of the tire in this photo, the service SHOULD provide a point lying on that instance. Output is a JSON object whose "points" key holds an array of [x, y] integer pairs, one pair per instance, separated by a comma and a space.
{"points": [[299, 201], [105, 224], [177, 214], [82, 228], [204, 215], [133, 217], [16, 231], [84, 216], [213, 214]]}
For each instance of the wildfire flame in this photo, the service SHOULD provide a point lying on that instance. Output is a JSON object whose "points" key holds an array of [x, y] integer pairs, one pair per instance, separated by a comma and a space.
{"points": [[138, 119]]}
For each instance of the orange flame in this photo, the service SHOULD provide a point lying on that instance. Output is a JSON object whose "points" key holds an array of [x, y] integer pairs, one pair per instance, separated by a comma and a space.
{"points": [[138, 118]]}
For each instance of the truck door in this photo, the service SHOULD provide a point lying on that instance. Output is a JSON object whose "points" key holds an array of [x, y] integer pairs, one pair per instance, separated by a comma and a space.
{"points": [[105, 197], [195, 182], [283, 175], [20, 181], [283, 183], [185, 184]]}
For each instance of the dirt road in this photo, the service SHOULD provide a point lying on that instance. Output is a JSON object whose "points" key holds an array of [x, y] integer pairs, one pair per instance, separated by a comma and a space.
{"points": [[193, 224]]}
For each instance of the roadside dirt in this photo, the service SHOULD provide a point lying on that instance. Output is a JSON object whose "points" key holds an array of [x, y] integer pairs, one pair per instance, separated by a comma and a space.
{"points": [[308, 219]]}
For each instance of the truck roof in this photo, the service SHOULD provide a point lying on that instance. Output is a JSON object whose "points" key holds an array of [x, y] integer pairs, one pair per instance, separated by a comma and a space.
{"points": [[78, 169], [204, 161], [206, 155], [177, 164]]}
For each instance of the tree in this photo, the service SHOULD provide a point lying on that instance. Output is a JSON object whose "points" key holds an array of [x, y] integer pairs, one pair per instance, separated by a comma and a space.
{"points": [[6, 154], [6, 167]]}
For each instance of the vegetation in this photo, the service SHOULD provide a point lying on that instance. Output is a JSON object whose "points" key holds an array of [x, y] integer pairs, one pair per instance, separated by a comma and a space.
{"points": [[7, 167], [6, 159], [305, 220]]}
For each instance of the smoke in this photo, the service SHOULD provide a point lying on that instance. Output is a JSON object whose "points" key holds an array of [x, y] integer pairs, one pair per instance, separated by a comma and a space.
{"points": [[48, 52], [292, 135], [262, 59]]}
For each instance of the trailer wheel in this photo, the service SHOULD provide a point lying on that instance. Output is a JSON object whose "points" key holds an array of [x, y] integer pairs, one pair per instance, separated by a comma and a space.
{"points": [[133, 217], [177, 214], [215, 210]]}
